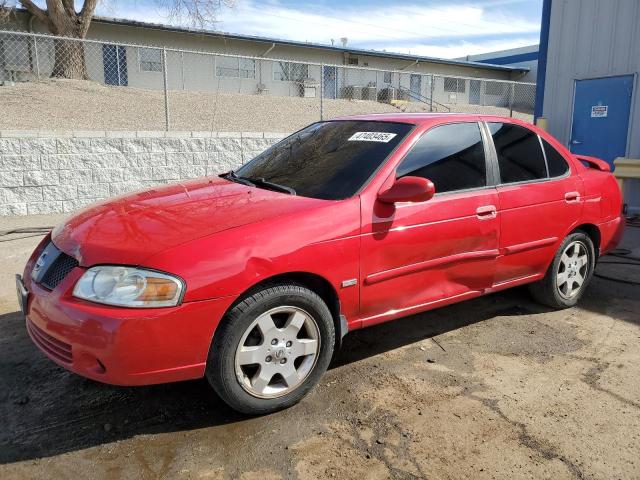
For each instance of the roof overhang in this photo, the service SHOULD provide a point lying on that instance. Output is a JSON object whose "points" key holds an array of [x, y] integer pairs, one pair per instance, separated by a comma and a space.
{"points": [[355, 51]]}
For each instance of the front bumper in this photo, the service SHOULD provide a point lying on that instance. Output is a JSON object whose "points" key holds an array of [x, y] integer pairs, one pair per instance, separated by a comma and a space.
{"points": [[121, 346]]}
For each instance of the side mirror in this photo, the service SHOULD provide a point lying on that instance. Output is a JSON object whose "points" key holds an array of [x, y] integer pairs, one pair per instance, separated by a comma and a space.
{"points": [[408, 189]]}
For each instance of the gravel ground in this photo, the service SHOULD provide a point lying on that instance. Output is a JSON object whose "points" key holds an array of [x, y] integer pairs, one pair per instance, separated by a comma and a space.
{"points": [[82, 105], [497, 387]]}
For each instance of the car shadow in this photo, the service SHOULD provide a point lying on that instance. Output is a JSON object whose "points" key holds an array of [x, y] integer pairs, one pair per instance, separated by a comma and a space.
{"points": [[50, 411]]}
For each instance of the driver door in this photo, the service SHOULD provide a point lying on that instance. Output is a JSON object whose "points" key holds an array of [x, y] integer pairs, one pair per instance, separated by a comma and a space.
{"points": [[417, 256]]}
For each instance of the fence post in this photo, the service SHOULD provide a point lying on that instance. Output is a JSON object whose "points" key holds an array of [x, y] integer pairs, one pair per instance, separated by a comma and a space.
{"points": [[35, 49], [182, 68], [431, 94], [321, 91], [118, 64], [511, 100], [166, 93]]}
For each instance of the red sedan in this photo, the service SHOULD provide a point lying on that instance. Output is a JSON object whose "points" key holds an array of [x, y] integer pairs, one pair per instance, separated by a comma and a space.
{"points": [[252, 278]]}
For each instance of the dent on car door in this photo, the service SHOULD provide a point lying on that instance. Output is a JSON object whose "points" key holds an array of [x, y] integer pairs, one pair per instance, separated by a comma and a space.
{"points": [[415, 255], [539, 201]]}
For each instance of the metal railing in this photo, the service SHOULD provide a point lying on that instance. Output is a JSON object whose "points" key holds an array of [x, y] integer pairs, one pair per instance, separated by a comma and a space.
{"points": [[70, 84]]}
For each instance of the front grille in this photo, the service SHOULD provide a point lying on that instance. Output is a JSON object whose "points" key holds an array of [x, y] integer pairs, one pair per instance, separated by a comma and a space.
{"points": [[56, 348], [58, 270]]}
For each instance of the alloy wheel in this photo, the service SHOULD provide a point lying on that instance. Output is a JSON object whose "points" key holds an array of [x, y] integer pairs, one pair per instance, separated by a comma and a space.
{"points": [[277, 352], [572, 269]]}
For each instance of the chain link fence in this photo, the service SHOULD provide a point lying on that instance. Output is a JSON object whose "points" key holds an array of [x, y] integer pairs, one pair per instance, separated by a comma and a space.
{"points": [[69, 84]]}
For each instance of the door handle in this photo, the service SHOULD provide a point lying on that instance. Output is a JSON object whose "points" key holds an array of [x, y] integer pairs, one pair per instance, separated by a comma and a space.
{"points": [[572, 197], [486, 212], [576, 142]]}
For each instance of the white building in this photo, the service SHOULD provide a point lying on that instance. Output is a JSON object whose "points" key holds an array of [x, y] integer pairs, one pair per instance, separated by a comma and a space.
{"points": [[275, 67]]}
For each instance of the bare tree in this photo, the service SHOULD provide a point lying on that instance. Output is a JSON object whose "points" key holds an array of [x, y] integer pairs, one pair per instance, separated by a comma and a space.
{"points": [[61, 18]]}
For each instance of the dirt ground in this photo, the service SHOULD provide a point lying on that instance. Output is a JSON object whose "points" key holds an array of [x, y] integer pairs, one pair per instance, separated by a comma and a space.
{"points": [[65, 105], [497, 387]]}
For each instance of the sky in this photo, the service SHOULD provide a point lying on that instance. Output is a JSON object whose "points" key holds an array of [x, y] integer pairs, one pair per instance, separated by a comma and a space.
{"points": [[437, 28]]}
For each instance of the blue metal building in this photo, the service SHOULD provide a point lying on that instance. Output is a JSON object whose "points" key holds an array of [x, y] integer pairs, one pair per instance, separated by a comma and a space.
{"points": [[587, 84]]}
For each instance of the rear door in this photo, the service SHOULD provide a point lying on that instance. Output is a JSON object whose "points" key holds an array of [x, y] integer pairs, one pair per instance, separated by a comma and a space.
{"points": [[539, 201], [418, 254]]}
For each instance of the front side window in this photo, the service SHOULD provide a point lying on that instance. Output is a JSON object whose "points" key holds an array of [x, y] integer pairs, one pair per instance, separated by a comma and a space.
{"points": [[290, 71], [519, 153], [150, 59], [328, 160], [558, 166], [451, 156]]}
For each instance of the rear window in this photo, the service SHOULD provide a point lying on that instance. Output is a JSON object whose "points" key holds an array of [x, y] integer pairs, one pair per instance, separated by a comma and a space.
{"points": [[328, 160], [520, 156]]}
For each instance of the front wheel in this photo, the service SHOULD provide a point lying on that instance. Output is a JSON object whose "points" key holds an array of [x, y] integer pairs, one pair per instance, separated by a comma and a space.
{"points": [[569, 273], [271, 349]]}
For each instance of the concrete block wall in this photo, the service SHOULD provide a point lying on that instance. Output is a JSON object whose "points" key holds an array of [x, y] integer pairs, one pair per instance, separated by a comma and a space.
{"points": [[48, 172]]}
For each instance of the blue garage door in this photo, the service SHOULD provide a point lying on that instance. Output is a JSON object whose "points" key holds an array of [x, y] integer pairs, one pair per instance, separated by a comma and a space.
{"points": [[601, 117]]}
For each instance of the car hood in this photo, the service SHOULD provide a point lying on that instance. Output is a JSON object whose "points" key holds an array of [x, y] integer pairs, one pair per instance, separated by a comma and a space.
{"points": [[134, 227]]}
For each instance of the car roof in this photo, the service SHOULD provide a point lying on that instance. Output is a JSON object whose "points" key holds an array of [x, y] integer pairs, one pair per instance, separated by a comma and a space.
{"points": [[430, 118]]}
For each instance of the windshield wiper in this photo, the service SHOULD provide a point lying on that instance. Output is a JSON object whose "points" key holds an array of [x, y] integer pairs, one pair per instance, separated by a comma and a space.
{"points": [[235, 178], [266, 183], [259, 181]]}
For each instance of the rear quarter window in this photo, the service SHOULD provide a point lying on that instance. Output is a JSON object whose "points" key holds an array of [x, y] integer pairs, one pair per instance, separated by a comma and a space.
{"points": [[558, 166]]}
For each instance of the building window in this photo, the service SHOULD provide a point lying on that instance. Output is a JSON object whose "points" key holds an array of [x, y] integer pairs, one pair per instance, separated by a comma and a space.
{"points": [[456, 85], [495, 88], [235, 67], [387, 77], [150, 59], [352, 61], [15, 55], [290, 72]]}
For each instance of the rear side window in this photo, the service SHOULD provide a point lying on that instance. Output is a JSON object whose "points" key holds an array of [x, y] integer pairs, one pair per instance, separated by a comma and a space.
{"points": [[558, 166], [520, 156], [451, 156]]}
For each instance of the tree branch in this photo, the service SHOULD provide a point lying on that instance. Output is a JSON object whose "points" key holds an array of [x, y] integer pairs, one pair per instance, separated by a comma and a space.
{"points": [[36, 11], [69, 7], [86, 13], [61, 23]]}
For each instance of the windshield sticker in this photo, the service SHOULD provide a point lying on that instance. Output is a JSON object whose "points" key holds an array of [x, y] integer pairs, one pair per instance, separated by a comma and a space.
{"points": [[372, 137]]}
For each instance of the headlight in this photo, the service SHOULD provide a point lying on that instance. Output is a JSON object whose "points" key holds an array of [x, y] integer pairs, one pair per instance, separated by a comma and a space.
{"points": [[128, 287]]}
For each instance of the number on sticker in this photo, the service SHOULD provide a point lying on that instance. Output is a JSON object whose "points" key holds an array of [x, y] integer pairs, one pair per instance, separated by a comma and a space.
{"points": [[383, 137]]}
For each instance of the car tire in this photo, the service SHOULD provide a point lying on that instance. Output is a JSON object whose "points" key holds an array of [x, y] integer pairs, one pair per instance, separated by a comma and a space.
{"points": [[569, 273], [257, 340]]}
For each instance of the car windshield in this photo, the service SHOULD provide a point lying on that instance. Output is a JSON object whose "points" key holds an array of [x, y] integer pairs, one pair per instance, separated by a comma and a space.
{"points": [[327, 160]]}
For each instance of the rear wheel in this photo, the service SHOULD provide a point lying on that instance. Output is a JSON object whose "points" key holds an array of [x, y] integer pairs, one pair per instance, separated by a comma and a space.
{"points": [[271, 349], [569, 273]]}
